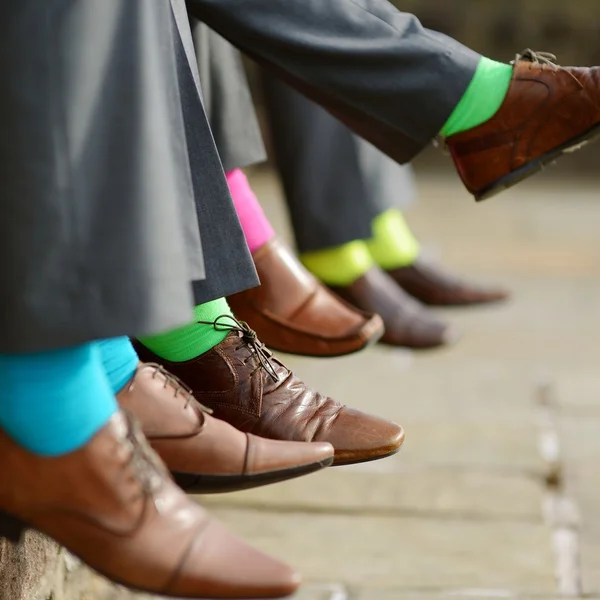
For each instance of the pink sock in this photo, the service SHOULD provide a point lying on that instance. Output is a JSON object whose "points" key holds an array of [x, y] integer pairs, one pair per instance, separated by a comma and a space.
{"points": [[257, 229]]}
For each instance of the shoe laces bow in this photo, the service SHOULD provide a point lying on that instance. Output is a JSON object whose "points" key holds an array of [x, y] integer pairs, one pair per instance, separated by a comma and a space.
{"points": [[532, 56], [249, 339]]}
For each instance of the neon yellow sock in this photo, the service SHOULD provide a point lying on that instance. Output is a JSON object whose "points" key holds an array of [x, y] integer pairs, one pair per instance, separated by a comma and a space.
{"points": [[190, 341], [393, 245], [483, 97], [341, 265]]}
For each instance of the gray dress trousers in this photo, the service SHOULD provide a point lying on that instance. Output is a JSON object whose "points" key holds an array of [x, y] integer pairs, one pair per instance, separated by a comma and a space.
{"points": [[227, 99], [102, 171], [229, 267], [334, 182], [377, 69]]}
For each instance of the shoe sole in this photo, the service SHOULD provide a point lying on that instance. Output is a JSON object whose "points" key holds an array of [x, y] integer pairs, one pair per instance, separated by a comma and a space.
{"points": [[220, 484], [350, 460], [532, 167], [356, 461]]}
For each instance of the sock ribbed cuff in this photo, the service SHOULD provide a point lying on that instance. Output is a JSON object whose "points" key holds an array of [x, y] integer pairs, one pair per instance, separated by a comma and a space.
{"points": [[482, 99], [53, 403], [190, 341], [119, 359], [339, 266], [393, 244]]}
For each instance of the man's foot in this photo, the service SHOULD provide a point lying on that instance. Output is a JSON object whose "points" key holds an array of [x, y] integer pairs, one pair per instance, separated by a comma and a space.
{"points": [[293, 312], [548, 111], [241, 381], [113, 505], [207, 455], [432, 285], [407, 323]]}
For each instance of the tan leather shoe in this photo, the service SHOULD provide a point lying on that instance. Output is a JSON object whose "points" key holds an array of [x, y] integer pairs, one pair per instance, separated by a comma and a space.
{"points": [[241, 381], [112, 504], [408, 324], [548, 111], [207, 455], [432, 285], [293, 312]]}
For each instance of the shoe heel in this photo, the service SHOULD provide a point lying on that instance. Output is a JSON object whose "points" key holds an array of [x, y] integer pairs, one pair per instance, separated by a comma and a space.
{"points": [[11, 528]]}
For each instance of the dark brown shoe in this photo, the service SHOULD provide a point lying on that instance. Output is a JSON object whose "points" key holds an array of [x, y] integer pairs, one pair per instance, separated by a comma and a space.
{"points": [[407, 323], [293, 312], [113, 505], [241, 381], [548, 111], [207, 455], [434, 286]]}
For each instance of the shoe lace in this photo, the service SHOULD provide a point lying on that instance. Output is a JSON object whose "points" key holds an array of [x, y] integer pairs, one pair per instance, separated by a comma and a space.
{"points": [[249, 339], [143, 461], [546, 59], [178, 385], [529, 55]]}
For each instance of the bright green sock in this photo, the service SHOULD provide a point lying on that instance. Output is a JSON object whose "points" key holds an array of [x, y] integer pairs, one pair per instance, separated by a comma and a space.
{"points": [[483, 97], [190, 341], [393, 245], [341, 265]]}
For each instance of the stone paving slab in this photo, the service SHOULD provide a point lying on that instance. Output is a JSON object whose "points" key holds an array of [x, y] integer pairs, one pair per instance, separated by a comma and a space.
{"points": [[80, 583], [97, 588], [398, 552], [465, 594], [578, 393], [449, 419], [580, 440], [590, 558], [477, 494]]}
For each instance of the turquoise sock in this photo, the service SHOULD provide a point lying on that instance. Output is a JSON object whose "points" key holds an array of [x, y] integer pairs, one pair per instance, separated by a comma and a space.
{"points": [[52, 403], [120, 361]]}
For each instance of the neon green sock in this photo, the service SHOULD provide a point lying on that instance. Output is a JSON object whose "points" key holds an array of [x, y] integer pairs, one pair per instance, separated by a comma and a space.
{"points": [[190, 341], [341, 265], [483, 97], [393, 245]]}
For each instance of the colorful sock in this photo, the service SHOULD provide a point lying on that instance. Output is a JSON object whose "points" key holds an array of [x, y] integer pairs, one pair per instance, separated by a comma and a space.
{"points": [[341, 265], [483, 97], [256, 227], [52, 403], [190, 341], [393, 245], [120, 361]]}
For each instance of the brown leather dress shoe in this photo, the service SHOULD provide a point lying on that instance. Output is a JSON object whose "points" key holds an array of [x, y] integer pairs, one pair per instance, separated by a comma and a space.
{"points": [[113, 505], [241, 381], [207, 455], [293, 312], [548, 111], [407, 323], [434, 286]]}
